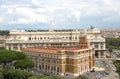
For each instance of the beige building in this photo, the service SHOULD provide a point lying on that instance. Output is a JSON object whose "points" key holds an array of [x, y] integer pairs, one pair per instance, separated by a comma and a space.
{"points": [[97, 41], [2, 41], [63, 60], [22, 39]]}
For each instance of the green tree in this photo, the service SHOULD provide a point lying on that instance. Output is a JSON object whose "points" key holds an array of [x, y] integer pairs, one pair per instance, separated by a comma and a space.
{"points": [[34, 77], [19, 55], [1, 75], [113, 43], [82, 77], [16, 74], [24, 63], [14, 58], [6, 56]]}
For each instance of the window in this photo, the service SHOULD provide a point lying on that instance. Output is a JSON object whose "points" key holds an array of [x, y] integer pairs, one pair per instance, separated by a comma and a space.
{"points": [[42, 66], [58, 69], [68, 69], [68, 61], [35, 38], [101, 47], [96, 45], [39, 66], [9, 48], [57, 62], [41, 38], [46, 67], [76, 38], [19, 37], [51, 67], [29, 38]]}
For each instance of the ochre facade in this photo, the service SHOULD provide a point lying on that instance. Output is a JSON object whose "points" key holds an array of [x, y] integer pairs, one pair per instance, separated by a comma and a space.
{"points": [[63, 61]]}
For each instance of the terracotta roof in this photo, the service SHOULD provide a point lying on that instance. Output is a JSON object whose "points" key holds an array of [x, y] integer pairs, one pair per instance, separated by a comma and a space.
{"points": [[50, 50], [40, 50]]}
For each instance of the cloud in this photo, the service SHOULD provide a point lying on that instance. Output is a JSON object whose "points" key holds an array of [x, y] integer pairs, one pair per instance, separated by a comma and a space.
{"points": [[31, 15], [60, 13], [10, 10], [25, 15], [1, 19], [77, 15], [35, 2]]}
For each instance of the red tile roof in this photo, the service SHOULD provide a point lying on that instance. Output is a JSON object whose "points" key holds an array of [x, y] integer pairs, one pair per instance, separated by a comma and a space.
{"points": [[51, 50]]}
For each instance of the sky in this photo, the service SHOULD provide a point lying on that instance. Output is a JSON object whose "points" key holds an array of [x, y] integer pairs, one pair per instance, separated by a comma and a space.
{"points": [[59, 14]]}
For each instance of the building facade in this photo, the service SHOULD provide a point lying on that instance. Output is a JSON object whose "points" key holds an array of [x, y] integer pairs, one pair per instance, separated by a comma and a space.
{"points": [[97, 41], [2, 41], [72, 61], [22, 39]]}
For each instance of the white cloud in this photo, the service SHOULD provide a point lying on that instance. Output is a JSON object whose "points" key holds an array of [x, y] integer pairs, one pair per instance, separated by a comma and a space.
{"points": [[8, 6], [77, 15], [47, 9], [22, 20], [55, 12], [36, 2], [27, 15], [10, 10], [1, 19]]}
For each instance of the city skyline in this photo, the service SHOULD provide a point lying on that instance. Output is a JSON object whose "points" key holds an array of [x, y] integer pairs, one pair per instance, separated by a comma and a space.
{"points": [[59, 14]]}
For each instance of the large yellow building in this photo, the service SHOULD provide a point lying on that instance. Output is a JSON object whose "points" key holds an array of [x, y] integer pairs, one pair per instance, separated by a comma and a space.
{"points": [[63, 60]]}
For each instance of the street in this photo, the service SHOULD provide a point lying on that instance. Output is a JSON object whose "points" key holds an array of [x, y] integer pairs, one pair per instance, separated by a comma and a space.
{"points": [[109, 71]]}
